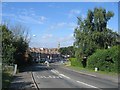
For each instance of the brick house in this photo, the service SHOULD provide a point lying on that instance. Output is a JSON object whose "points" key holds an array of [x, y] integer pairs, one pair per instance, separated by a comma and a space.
{"points": [[40, 53]]}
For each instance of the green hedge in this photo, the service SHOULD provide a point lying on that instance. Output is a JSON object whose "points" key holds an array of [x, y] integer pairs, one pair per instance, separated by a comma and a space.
{"points": [[105, 60], [75, 62]]}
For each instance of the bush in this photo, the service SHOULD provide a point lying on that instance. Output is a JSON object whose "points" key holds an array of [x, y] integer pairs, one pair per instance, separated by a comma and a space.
{"points": [[105, 60], [74, 62], [6, 76]]}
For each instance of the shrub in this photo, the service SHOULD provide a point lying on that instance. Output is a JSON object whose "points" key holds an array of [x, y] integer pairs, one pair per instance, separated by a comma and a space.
{"points": [[75, 62], [104, 60]]}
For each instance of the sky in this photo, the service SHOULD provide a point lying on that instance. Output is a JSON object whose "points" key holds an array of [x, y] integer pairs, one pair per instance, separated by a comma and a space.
{"points": [[50, 23], [60, 0]]}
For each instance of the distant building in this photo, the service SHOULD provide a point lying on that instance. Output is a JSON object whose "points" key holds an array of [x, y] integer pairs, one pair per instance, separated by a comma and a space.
{"points": [[39, 53]]}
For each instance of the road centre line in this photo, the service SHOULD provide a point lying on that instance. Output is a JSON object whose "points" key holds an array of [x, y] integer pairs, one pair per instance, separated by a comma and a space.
{"points": [[65, 76], [60, 75], [54, 71], [86, 84], [74, 80]]}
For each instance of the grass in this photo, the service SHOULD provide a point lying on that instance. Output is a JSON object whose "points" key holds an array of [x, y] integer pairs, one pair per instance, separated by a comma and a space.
{"points": [[90, 70], [6, 78]]}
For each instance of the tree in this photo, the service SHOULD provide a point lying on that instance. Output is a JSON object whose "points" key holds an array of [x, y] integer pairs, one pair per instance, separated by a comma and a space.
{"points": [[14, 45], [92, 33], [7, 45], [21, 43], [67, 51]]}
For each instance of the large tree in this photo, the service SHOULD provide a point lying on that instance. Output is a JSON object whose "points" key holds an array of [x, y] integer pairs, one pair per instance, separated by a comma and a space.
{"points": [[14, 45], [92, 32], [7, 45]]}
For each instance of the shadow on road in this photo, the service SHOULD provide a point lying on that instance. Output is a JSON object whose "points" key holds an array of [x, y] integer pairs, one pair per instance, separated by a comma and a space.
{"points": [[23, 81], [35, 68]]}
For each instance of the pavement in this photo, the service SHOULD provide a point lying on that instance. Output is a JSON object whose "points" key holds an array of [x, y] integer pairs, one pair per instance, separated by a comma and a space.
{"points": [[22, 81], [58, 77]]}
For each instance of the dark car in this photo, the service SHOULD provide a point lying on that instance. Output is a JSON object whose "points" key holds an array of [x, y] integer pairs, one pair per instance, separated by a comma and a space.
{"points": [[42, 60], [51, 61]]}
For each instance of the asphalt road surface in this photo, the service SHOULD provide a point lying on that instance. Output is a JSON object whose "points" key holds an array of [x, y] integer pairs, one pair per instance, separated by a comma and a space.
{"points": [[56, 76]]}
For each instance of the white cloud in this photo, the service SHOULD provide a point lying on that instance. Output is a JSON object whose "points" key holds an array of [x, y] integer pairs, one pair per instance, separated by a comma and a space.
{"points": [[29, 16], [43, 18], [66, 39], [8, 15], [29, 19], [26, 16], [73, 12], [69, 25], [61, 24], [47, 36], [53, 5], [50, 41], [57, 25]]}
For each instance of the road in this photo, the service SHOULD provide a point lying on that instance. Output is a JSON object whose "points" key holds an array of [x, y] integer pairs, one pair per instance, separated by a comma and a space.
{"points": [[56, 76]]}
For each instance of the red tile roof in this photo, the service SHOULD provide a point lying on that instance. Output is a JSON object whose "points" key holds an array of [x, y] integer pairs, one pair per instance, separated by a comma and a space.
{"points": [[44, 50]]}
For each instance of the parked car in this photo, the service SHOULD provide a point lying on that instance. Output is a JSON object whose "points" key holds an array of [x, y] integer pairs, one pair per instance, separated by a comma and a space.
{"points": [[51, 61], [37, 60], [42, 60]]}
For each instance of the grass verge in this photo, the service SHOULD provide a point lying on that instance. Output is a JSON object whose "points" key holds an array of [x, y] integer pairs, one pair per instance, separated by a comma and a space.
{"points": [[90, 70]]}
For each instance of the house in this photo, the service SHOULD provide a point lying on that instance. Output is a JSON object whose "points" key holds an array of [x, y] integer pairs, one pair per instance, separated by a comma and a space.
{"points": [[40, 53]]}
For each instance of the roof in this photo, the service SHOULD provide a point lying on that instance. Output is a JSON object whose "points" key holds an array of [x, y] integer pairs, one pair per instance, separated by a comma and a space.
{"points": [[44, 50]]}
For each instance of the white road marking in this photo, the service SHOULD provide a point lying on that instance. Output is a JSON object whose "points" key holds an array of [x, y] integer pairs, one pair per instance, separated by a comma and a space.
{"points": [[86, 84], [41, 76], [55, 71], [49, 77], [57, 77], [37, 76], [53, 77], [65, 76], [60, 75]]}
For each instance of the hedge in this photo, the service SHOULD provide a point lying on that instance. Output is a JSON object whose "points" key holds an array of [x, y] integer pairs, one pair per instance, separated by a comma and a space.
{"points": [[105, 60], [75, 62]]}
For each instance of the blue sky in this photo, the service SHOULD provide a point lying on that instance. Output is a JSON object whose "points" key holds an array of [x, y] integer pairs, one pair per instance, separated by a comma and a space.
{"points": [[50, 23]]}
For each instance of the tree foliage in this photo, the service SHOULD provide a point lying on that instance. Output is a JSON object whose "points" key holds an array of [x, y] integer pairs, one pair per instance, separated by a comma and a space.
{"points": [[92, 32], [67, 51], [14, 46], [7, 45], [105, 59]]}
